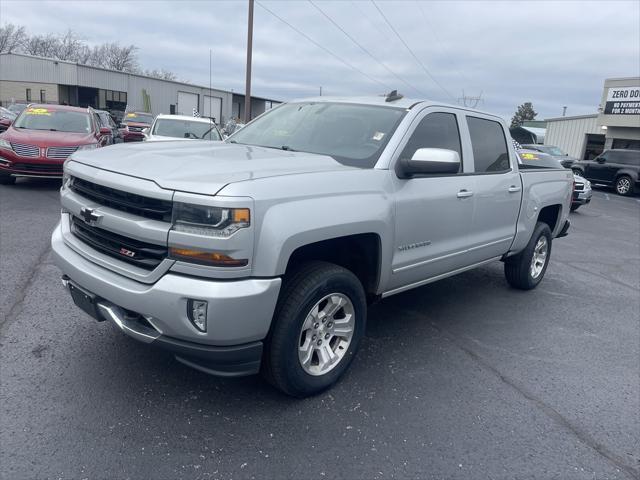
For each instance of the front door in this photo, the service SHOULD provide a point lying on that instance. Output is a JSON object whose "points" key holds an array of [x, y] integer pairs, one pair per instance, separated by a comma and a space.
{"points": [[433, 213], [598, 169]]}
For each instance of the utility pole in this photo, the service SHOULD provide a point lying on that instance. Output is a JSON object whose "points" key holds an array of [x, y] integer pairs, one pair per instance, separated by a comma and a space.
{"points": [[247, 90], [320, 90], [470, 101], [564, 110]]}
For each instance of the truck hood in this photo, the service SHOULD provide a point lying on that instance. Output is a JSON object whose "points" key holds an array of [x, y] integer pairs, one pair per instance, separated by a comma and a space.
{"points": [[202, 167]]}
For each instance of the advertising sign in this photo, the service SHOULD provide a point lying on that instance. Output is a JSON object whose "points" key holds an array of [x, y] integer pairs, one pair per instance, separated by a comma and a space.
{"points": [[623, 101]]}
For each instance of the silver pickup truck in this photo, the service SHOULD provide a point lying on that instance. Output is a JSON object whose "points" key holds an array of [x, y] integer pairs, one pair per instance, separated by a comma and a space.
{"points": [[261, 253]]}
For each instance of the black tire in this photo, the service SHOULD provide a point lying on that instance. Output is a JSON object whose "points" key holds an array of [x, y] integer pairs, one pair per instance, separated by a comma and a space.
{"points": [[575, 206], [517, 269], [7, 179], [301, 290], [624, 185]]}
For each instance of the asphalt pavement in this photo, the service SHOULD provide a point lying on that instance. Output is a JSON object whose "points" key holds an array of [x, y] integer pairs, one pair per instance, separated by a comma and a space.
{"points": [[461, 379]]}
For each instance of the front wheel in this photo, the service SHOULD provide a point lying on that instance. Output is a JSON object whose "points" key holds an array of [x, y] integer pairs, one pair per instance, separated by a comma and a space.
{"points": [[319, 321], [526, 269], [624, 185], [575, 206]]}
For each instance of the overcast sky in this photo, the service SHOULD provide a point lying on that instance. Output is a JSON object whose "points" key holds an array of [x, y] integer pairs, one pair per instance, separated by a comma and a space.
{"points": [[550, 53]]}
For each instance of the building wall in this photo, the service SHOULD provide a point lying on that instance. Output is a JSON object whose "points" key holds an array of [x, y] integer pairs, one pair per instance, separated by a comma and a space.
{"points": [[11, 92], [618, 120], [569, 133], [23, 69]]}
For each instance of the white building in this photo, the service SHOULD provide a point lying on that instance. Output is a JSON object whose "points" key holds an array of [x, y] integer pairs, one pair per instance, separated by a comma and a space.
{"points": [[617, 125], [25, 78]]}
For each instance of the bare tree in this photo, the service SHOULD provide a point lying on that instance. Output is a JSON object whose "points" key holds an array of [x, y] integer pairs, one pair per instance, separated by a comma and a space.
{"points": [[115, 57], [68, 46], [11, 37], [161, 74], [41, 45]]}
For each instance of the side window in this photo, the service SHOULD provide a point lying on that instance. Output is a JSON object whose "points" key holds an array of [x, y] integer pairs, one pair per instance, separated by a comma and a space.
{"points": [[436, 130], [602, 157], [490, 153]]}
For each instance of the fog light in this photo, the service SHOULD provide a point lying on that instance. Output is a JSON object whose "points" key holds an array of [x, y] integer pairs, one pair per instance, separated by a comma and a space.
{"points": [[197, 312]]}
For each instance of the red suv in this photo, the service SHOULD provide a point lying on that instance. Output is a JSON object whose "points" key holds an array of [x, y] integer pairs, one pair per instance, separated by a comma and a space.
{"points": [[43, 136], [132, 125]]}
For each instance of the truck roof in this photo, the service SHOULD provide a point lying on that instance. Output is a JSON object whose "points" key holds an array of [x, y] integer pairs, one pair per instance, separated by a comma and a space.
{"points": [[381, 101]]}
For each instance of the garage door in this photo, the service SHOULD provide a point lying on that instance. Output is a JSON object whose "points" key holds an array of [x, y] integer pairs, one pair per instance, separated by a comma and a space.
{"points": [[212, 108], [186, 103]]}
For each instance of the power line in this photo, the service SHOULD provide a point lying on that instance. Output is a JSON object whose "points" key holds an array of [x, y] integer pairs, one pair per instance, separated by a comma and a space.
{"points": [[363, 48], [411, 51], [387, 87]]}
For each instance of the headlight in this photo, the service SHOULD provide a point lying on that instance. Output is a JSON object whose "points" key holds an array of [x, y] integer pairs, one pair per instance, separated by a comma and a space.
{"points": [[66, 180], [210, 221], [5, 144], [90, 146]]}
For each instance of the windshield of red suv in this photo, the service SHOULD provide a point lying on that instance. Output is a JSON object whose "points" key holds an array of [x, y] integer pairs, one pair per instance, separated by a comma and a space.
{"points": [[42, 118], [137, 118], [352, 134]]}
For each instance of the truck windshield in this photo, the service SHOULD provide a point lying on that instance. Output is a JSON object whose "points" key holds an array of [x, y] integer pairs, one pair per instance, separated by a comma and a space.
{"points": [[352, 134], [44, 118], [185, 129]]}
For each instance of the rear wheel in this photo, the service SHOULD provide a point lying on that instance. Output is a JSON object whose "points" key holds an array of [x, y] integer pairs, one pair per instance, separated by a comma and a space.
{"points": [[316, 331], [575, 206], [7, 179], [526, 270], [624, 185]]}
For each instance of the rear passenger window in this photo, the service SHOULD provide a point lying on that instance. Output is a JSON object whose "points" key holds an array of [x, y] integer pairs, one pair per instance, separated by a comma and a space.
{"points": [[436, 130], [490, 153]]}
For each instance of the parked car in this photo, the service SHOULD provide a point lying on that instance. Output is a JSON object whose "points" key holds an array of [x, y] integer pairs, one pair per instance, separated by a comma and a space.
{"points": [[182, 127], [17, 108], [554, 151], [43, 136], [133, 124], [261, 253], [6, 118], [582, 192], [106, 120], [617, 168]]}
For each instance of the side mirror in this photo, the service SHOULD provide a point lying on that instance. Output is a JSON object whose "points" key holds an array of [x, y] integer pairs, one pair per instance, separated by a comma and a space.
{"points": [[429, 161], [600, 160], [145, 131], [105, 131]]}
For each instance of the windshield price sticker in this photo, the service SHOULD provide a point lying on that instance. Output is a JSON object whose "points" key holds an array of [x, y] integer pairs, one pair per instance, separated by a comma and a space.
{"points": [[529, 156], [623, 101], [131, 115], [38, 111]]}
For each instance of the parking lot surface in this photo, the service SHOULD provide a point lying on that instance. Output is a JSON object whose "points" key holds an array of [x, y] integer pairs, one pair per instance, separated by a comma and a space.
{"points": [[465, 378]]}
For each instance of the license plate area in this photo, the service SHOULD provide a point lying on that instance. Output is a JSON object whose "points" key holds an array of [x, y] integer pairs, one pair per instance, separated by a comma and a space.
{"points": [[85, 300]]}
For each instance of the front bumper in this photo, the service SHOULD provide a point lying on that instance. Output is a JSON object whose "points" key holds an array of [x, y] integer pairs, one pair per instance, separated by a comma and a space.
{"points": [[238, 316], [11, 164], [132, 136], [582, 197]]}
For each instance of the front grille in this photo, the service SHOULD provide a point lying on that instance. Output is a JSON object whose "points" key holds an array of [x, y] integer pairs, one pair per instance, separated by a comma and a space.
{"points": [[127, 202], [60, 153], [35, 167], [141, 254], [579, 186], [24, 150]]}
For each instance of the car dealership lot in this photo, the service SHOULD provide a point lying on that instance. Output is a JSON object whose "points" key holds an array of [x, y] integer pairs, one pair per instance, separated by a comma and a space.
{"points": [[465, 378]]}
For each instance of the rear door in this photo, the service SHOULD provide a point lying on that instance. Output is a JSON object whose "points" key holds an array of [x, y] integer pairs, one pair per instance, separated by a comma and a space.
{"points": [[598, 169], [433, 213], [497, 191]]}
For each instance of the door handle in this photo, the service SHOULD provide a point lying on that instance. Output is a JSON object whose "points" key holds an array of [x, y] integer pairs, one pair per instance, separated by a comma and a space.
{"points": [[514, 189], [464, 194]]}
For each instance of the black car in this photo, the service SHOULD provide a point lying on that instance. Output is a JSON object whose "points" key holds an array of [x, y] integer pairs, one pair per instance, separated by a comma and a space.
{"points": [[107, 121], [617, 168], [554, 151]]}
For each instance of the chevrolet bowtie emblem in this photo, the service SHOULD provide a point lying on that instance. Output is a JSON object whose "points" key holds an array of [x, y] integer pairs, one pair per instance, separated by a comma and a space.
{"points": [[89, 216]]}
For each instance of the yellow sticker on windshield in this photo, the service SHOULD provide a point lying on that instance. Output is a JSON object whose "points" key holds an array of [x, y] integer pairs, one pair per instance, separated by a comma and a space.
{"points": [[529, 156], [37, 111], [131, 115]]}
